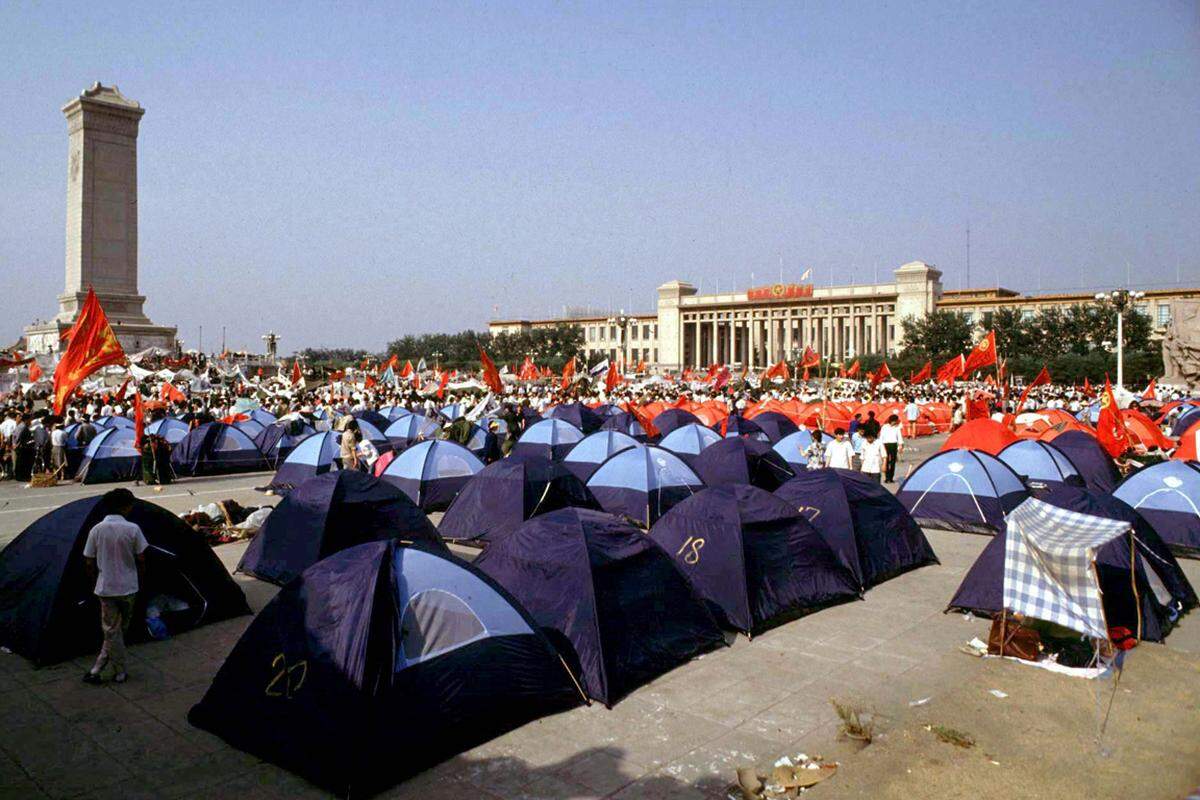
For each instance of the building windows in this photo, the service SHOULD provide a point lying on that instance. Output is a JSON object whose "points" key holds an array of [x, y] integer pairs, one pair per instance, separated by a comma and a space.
{"points": [[1026, 314], [1164, 315], [603, 333], [645, 331], [612, 332], [1142, 308], [633, 333], [591, 333]]}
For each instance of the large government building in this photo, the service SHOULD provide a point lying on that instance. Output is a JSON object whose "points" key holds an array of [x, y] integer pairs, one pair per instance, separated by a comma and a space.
{"points": [[761, 325]]}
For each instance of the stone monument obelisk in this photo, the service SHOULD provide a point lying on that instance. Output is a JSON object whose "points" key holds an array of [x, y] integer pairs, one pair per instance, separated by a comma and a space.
{"points": [[102, 220]]}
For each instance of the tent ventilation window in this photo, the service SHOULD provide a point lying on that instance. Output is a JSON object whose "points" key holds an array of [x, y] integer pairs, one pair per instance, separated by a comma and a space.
{"points": [[436, 622]]}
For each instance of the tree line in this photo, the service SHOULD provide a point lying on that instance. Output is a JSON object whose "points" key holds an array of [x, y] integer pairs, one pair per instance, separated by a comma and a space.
{"points": [[1073, 343]]}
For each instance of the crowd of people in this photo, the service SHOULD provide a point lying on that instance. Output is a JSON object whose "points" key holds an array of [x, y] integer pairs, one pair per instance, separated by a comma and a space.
{"points": [[33, 440]]}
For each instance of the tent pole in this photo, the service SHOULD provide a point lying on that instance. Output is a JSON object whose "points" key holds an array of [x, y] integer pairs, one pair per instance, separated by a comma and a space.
{"points": [[587, 701], [1137, 600]]}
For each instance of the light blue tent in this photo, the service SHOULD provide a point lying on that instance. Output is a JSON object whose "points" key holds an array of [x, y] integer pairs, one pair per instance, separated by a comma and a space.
{"points": [[114, 422], [549, 438], [315, 455], [1189, 415], [1167, 495], [168, 428], [1041, 464], [261, 416], [643, 483], [111, 456], [251, 427], [592, 451], [964, 490], [688, 440], [394, 412], [410, 429], [453, 411], [792, 447], [432, 473]]}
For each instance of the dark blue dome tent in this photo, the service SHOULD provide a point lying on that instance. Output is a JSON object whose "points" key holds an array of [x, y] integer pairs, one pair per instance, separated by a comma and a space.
{"points": [[314, 455], [109, 457], [626, 423], [48, 612], [741, 460], [579, 415], [375, 435], [216, 449], [379, 662], [775, 425], [483, 443], [1167, 495], [1188, 417], [279, 439], [260, 415], [327, 514], [1095, 467], [1163, 591], [861, 521], [504, 494], [394, 413], [792, 448], [549, 438], [453, 411], [609, 591], [411, 429], [752, 557], [737, 425], [250, 427], [670, 419], [376, 420], [432, 473], [962, 490], [606, 410], [593, 450], [113, 421], [1040, 464], [687, 441], [169, 428], [643, 483]]}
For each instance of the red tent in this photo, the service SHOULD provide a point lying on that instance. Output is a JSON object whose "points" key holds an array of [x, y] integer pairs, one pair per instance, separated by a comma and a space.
{"points": [[981, 434], [1144, 431], [1187, 443]]}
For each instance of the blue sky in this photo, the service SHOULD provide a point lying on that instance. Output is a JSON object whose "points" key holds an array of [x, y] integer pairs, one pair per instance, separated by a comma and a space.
{"points": [[346, 174]]}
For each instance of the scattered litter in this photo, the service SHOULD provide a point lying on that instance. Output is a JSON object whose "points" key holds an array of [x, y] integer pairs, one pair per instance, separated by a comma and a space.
{"points": [[921, 702], [998, 693], [856, 723], [5, 650], [968, 617], [993, 761], [790, 776], [951, 736], [226, 521]]}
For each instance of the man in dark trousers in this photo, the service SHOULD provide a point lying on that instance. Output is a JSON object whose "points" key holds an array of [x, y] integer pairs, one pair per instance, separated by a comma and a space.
{"points": [[115, 555]]}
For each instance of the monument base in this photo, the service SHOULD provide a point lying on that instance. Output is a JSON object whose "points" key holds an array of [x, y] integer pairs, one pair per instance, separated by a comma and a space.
{"points": [[133, 336]]}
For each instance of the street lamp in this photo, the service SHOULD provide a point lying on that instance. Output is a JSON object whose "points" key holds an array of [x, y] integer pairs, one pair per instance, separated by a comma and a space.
{"points": [[437, 359], [1121, 299], [620, 321]]}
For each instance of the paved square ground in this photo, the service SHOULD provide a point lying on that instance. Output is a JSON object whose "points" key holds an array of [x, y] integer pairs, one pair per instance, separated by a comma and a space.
{"points": [[681, 736]]}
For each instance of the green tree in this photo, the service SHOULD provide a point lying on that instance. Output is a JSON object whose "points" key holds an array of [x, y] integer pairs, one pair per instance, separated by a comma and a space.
{"points": [[939, 335]]}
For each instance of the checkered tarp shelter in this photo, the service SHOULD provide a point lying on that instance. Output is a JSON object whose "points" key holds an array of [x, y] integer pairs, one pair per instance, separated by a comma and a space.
{"points": [[1048, 573]]}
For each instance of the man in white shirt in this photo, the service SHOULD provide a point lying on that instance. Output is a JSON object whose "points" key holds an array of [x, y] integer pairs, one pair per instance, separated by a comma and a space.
{"points": [[892, 440], [840, 453], [912, 413], [115, 554], [873, 456]]}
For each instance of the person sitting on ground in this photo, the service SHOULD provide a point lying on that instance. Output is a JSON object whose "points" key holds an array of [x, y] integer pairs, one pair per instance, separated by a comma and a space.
{"points": [[115, 556]]}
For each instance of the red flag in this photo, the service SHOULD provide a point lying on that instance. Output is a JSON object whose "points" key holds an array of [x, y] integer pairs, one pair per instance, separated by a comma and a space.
{"points": [[120, 395], [878, 376], [171, 394], [641, 367], [1110, 425], [924, 374], [35, 372], [778, 370], [491, 376], [1087, 388], [982, 355], [722, 379], [613, 377], [568, 373], [407, 371], [954, 368], [441, 390], [369, 382], [391, 362], [529, 370], [1043, 377], [416, 381], [853, 371], [93, 346], [139, 420], [725, 426], [810, 358], [297, 375], [1149, 394]]}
